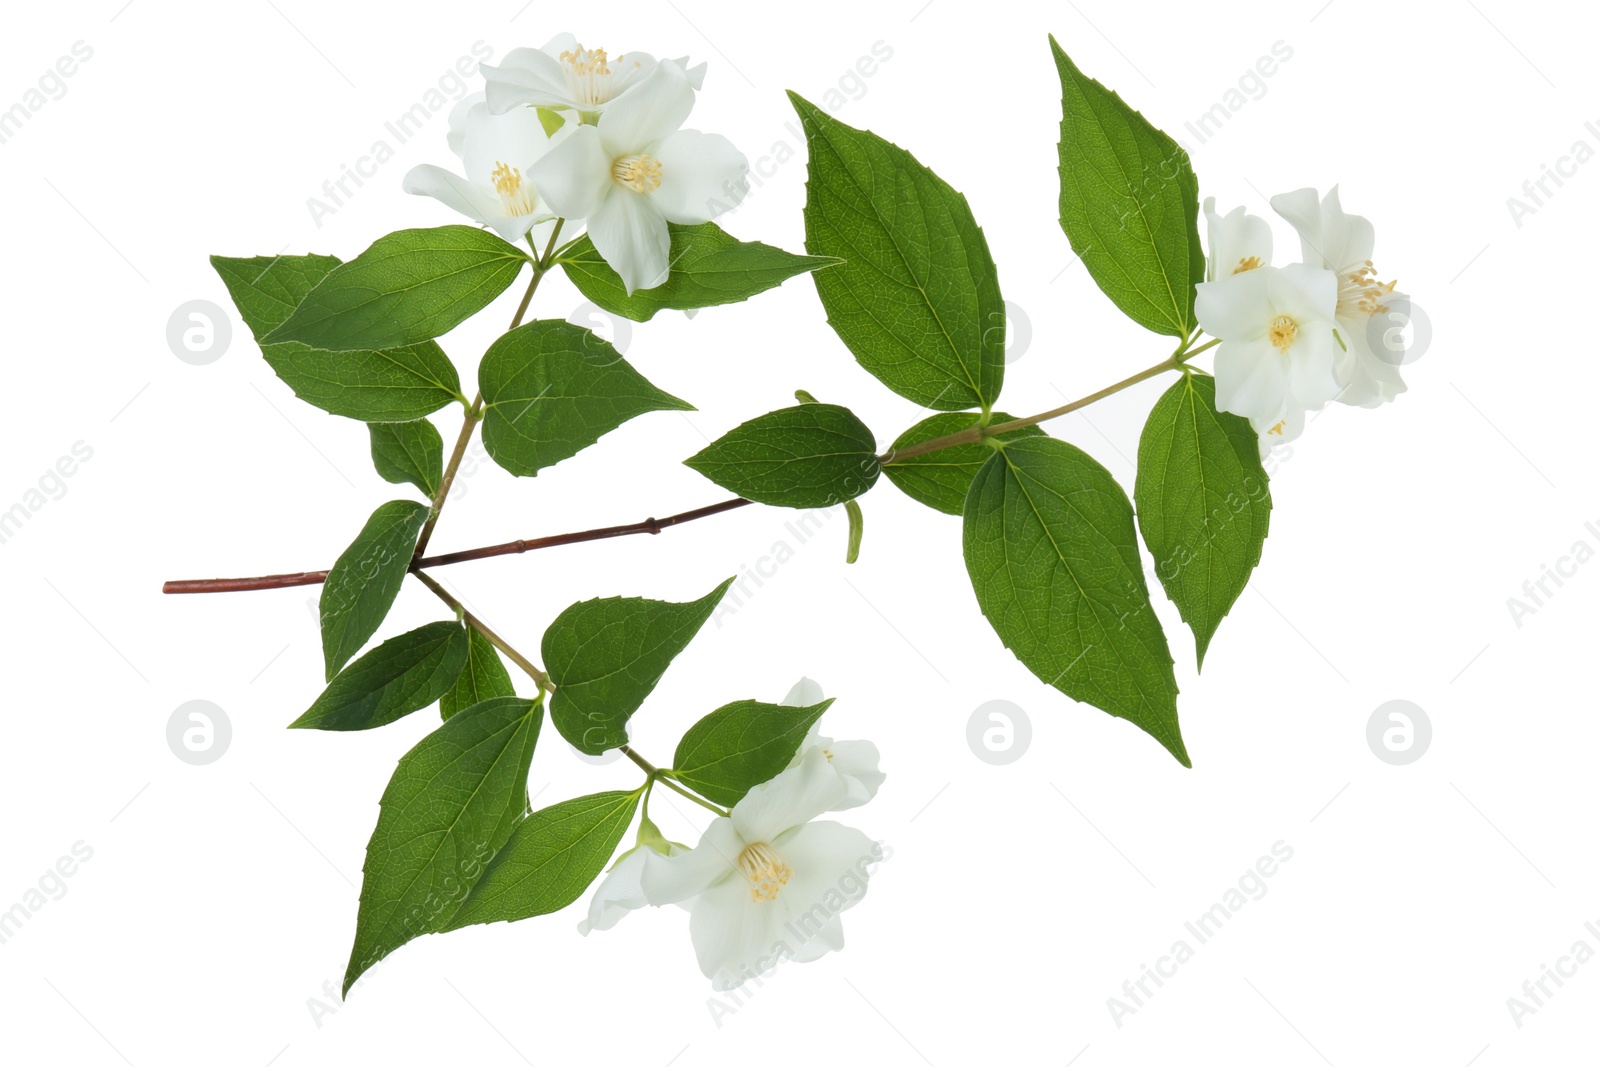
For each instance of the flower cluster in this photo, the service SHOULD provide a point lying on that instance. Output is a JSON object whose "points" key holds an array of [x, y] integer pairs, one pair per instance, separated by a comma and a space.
{"points": [[768, 882], [1293, 338], [573, 133]]}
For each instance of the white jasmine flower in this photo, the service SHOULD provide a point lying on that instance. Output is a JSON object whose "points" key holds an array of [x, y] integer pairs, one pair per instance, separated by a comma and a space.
{"points": [[766, 883], [1276, 360], [1368, 376], [634, 171], [497, 152], [855, 762], [564, 75], [1239, 242]]}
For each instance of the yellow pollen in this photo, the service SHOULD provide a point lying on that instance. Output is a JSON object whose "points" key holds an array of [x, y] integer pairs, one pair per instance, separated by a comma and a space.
{"points": [[1282, 332], [642, 174], [1278, 429], [588, 73], [1247, 263], [764, 869], [516, 195], [1361, 291]]}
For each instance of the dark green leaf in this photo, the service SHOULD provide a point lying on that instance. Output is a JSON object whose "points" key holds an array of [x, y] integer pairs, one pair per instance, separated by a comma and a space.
{"points": [[483, 677], [1129, 204], [408, 452], [941, 479], [365, 579], [398, 677], [1203, 503], [393, 385], [741, 745], [916, 299], [450, 806], [411, 286], [606, 656], [552, 856], [808, 456], [1051, 551], [709, 267], [551, 389]]}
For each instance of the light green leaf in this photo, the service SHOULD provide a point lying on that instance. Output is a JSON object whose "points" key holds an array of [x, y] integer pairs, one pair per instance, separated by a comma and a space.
{"points": [[553, 855], [398, 677], [708, 267], [450, 806], [1129, 204], [852, 550], [552, 389], [808, 456], [1050, 548], [483, 677], [410, 286], [741, 745], [392, 385], [916, 299], [365, 579], [1203, 503], [408, 452], [606, 656], [941, 479]]}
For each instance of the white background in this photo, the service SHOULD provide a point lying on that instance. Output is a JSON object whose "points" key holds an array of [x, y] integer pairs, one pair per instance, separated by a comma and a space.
{"points": [[221, 899]]}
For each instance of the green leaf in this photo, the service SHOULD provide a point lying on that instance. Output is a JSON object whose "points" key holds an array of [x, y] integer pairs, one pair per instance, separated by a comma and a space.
{"points": [[483, 677], [1129, 204], [852, 550], [606, 656], [916, 299], [400, 676], [552, 389], [1050, 548], [741, 745], [552, 856], [365, 579], [411, 286], [1203, 503], [708, 267], [941, 479], [808, 456], [393, 385], [450, 806], [408, 452]]}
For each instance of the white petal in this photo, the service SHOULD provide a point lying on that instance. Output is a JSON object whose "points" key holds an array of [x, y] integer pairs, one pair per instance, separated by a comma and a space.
{"points": [[736, 938], [702, 175], [516, 139], [478, 203], [1278, 428], [805, 694], [574, 178], [696, 74], [1305, 293], [632, 237], [677, 878], [828, 939], [1235, 238], [1304, 213], [527, 77], [1311, 379], [794, 797], [619, 892], [1251, 377], [647, 113], [856, 763], [1366, 378], [1235, 308], [458, 121], [1347, 240]]}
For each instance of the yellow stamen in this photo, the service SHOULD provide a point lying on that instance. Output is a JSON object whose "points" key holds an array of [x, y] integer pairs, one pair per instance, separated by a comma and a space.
{"points": [[1278, 429], [1247, 263], [1282, 332], [515, 194], [764, 869], [640, 173], [1361, 291]]}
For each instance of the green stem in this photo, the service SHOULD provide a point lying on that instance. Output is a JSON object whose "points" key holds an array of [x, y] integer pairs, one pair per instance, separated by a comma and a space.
{"points": [[475, 411], [658, 775], [973, 435]]}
